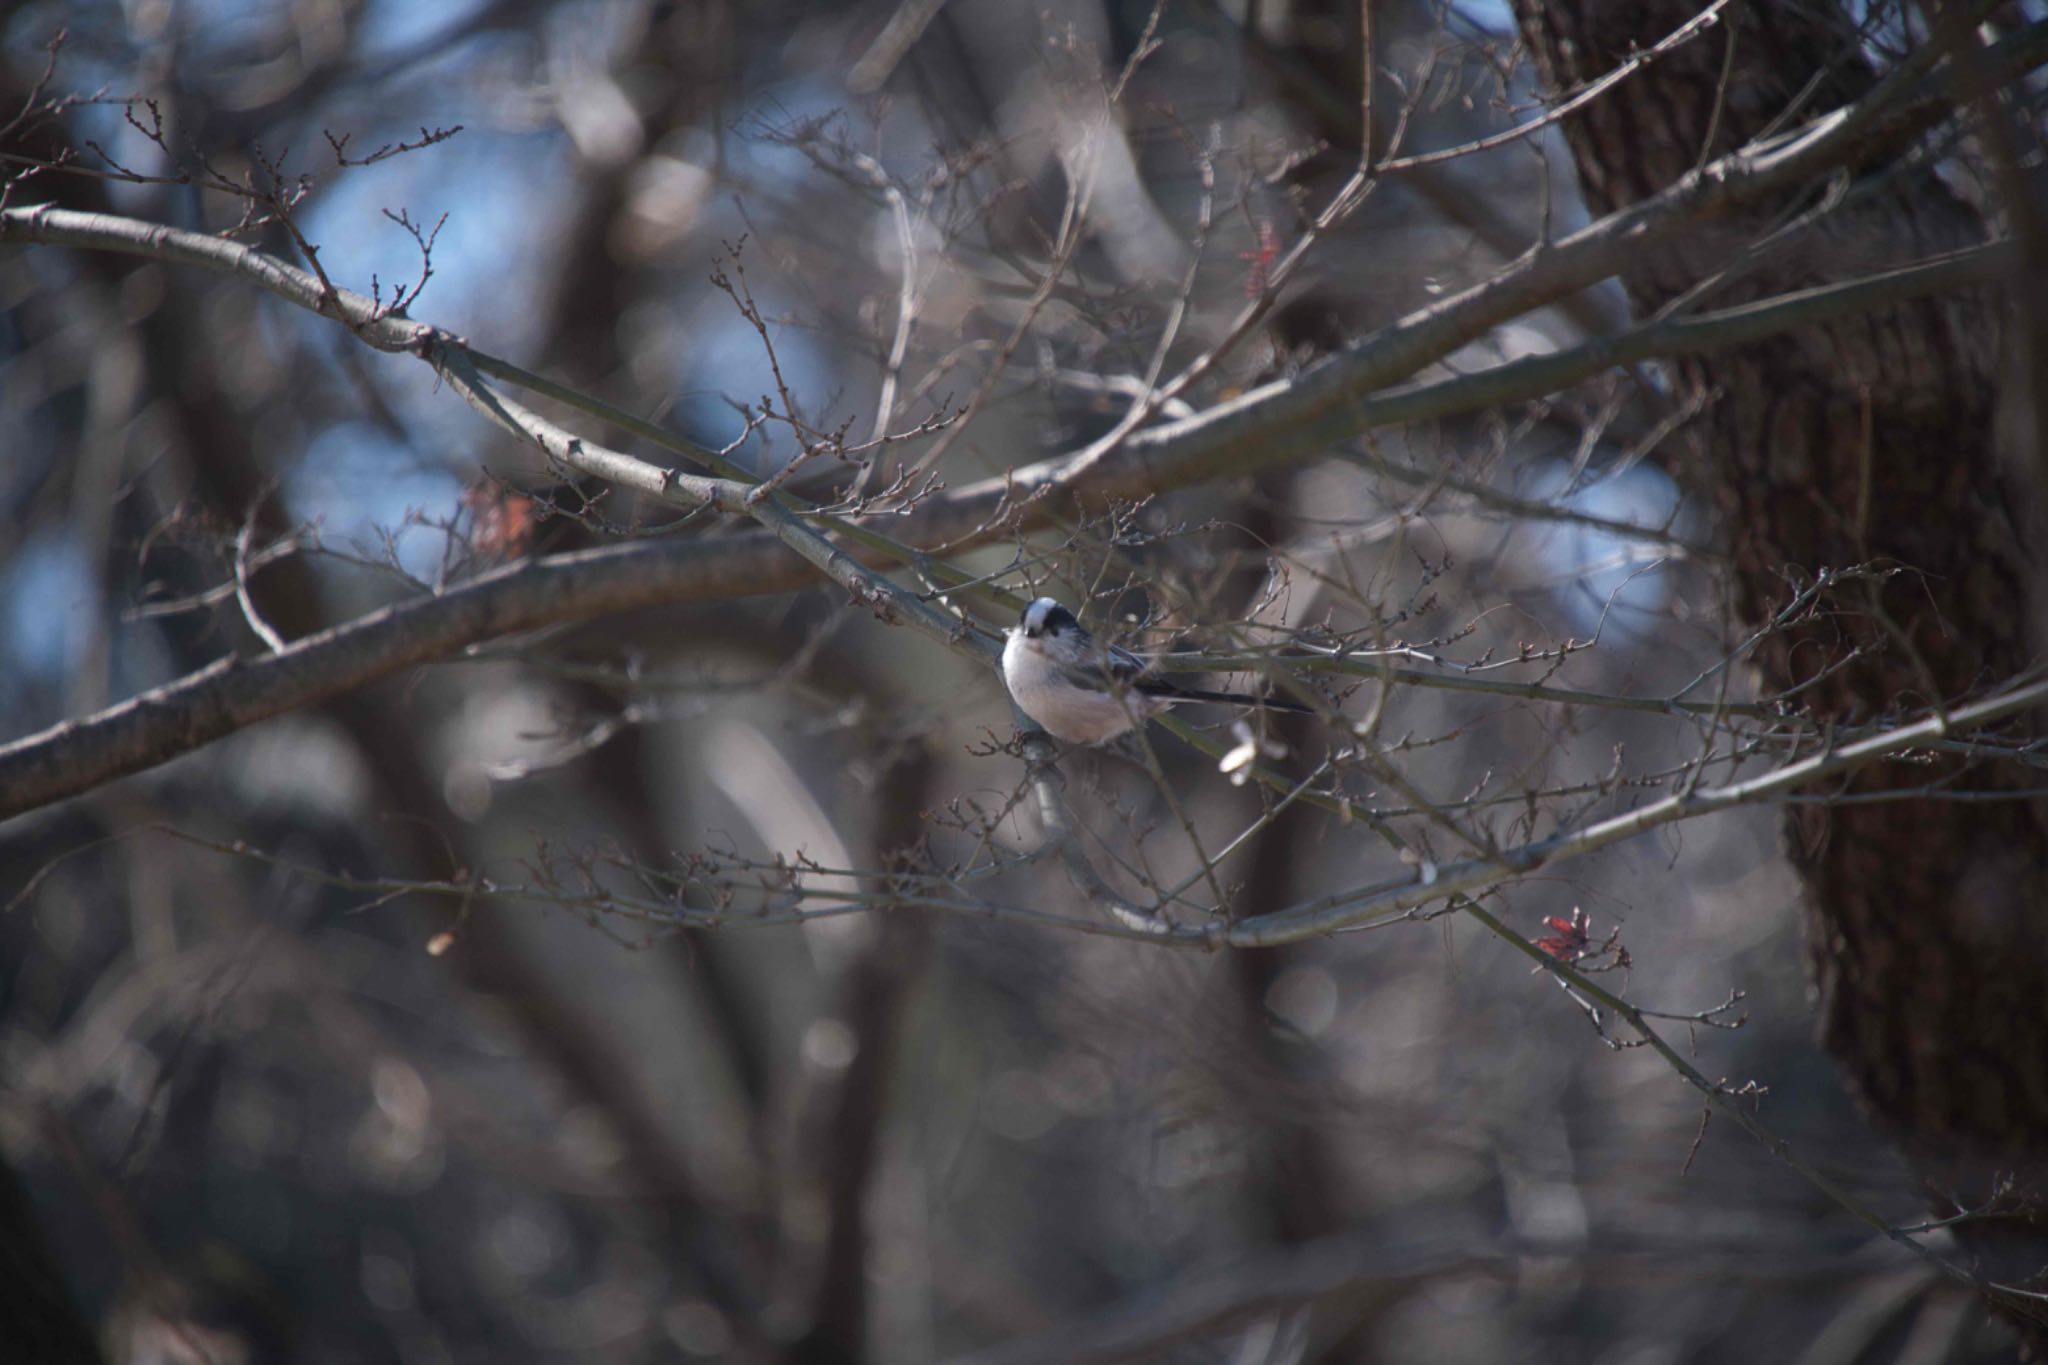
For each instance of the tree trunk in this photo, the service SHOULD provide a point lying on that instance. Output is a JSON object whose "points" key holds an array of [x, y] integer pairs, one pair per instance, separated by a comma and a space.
{"points": [[1866, 442]]}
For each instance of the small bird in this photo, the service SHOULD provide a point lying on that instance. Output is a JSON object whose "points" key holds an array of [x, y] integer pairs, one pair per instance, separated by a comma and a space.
{"points": [[1086, 692]]}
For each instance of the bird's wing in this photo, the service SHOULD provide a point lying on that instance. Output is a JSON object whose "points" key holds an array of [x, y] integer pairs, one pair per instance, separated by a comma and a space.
{"points": [[1160, 685], [1125, 666], [1113, 670], [1118, 669], [1136, 672], [1092, 676]]}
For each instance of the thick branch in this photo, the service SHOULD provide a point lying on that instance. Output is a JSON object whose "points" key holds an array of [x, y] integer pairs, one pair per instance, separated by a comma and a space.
{"points": [[231, 693]]}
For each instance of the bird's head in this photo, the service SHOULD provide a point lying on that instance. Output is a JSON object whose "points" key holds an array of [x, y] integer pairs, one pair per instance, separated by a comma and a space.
{"points": [[1046, 617]]}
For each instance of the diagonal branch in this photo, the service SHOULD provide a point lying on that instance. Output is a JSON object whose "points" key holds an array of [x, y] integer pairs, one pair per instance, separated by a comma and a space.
{"points": [[1282, 421], [1351, 910], [78, 755]]}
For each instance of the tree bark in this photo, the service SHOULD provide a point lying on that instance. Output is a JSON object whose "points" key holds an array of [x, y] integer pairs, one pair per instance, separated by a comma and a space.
{"points": [[1870, 441]]}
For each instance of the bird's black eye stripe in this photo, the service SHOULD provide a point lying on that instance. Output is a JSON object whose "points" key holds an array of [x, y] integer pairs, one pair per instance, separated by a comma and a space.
{"points": [[1047, 617]]}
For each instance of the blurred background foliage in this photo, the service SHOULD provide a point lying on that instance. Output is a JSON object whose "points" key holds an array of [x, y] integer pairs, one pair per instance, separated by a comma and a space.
{"points": [[258, 1119]]}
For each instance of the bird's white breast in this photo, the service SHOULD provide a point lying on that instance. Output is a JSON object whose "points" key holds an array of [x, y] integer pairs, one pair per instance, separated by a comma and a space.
{"points": [[1068, 712]]}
